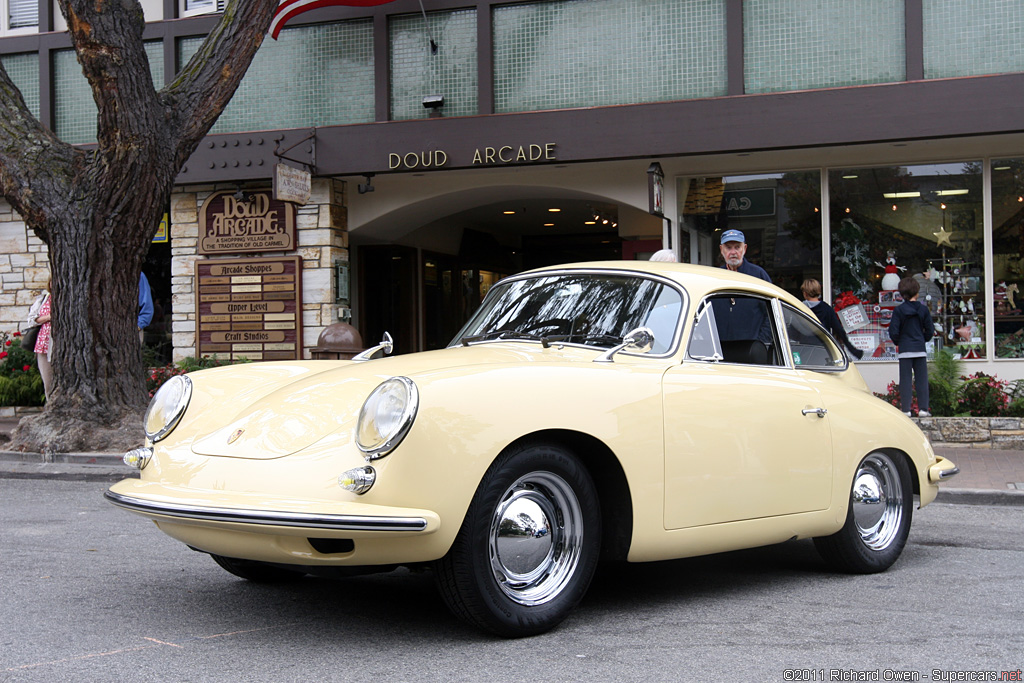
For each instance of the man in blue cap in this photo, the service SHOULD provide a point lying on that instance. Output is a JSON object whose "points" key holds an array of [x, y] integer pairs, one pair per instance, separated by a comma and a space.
{"points": [[741, 318], [734, 248]]}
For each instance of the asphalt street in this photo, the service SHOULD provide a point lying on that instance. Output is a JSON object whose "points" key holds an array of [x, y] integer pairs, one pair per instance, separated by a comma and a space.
{"points": [[93, 593]]}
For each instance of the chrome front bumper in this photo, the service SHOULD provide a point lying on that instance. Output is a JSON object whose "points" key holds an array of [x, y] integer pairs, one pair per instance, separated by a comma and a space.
{"points": [[332, 522]]}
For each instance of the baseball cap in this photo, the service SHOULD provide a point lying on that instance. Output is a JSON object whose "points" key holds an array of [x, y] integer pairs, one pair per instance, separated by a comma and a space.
{"points": [[733, 236]]}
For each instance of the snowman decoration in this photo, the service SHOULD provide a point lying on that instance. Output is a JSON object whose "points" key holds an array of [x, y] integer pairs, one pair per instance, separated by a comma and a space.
{"points": [[891, 279]]}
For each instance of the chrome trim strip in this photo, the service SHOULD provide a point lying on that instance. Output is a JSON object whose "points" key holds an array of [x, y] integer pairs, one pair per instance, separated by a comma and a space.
{"points": [[268, 517], [946, 474]]}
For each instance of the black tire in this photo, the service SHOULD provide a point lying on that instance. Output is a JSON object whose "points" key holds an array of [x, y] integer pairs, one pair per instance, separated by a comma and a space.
{"points": [[528, 546], [257, 572], [878, 519]]}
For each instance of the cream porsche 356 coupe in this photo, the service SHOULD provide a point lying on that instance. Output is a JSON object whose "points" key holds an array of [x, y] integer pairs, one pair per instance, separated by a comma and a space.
{"points": [[588, 412]]}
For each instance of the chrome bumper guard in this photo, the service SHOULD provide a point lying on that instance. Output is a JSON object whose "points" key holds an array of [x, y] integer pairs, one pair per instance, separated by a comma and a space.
{"points": [[267, 517]]}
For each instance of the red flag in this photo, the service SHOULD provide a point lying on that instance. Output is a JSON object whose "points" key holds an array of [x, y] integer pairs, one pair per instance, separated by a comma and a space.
{"points": [[290, 8]]}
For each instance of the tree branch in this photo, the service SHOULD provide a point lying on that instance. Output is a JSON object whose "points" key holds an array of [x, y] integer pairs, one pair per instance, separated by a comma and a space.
{"points": [[205, 85]]}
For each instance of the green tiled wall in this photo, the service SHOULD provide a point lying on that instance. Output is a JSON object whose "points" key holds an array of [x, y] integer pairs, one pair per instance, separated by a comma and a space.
{"points": [[416, 71], [74, 109], [972, 38], [318, 75], [803, 44], [582, 53], [23, 70]]}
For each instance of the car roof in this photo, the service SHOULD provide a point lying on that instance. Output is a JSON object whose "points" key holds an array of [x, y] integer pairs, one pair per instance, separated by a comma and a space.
{"points": [[696, 280]]}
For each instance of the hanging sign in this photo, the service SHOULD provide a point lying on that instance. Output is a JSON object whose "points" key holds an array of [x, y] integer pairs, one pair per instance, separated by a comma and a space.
{"points": [[245, 221], [292, 184]]}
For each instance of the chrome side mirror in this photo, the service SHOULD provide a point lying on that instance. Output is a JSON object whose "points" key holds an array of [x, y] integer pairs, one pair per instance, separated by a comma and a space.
{"points": [[387, 344], [639, 340]]}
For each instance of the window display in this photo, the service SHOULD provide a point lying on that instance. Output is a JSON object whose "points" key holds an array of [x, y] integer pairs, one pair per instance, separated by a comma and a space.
{"points": [[1007, 251], [779, 214], [922, 221]]}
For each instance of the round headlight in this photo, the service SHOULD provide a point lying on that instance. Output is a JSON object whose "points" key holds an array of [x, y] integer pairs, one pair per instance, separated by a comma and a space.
{"points": [[167, 407], [386, 417]]}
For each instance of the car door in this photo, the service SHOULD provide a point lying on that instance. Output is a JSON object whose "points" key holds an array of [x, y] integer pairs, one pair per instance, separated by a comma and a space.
{"points": [[746, 436]]}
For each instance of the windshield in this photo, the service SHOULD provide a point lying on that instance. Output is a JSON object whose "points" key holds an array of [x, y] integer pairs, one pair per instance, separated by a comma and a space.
{"points": [[577, 308]]}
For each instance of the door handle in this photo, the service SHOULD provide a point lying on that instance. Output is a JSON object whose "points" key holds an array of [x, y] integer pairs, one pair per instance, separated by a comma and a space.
{"points": [[820, 412]]}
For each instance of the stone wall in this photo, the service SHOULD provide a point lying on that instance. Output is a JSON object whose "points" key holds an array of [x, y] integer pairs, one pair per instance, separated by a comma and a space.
{"points": [[24, 268], [1003, 433], [321, 237]]}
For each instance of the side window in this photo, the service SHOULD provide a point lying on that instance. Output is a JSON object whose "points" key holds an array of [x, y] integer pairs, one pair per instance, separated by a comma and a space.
{"points": [[810, 345], [735, 328]]}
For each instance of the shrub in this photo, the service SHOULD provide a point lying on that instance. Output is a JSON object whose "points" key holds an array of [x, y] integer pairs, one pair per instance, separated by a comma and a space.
{"points": [[892, 396], [20, 383], [982, 395], [944, 380]]}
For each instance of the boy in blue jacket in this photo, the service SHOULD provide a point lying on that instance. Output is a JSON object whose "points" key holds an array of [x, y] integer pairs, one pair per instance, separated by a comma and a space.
{"points": [[910, 328]]}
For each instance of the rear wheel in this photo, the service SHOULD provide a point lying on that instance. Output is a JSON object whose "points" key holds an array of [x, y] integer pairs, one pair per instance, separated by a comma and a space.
{"points": [[258, 572], [878, 520], [528, 546]]}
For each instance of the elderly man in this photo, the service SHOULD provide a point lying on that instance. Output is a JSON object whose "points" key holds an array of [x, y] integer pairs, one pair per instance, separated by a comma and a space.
{"points": [[742, 318], [734, 248]]}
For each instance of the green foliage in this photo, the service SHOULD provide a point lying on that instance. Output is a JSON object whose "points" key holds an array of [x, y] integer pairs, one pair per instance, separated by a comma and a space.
{"points": [[982, 395], [20, 383], [944, 379], [952, 394]]}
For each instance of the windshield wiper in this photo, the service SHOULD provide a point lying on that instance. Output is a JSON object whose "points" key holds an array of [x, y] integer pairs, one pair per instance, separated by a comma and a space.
{"points": [[511, 334]]}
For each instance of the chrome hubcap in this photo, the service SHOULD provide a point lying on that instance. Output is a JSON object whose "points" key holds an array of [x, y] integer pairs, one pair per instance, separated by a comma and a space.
{"points": [[877, 501], [536, 537]]}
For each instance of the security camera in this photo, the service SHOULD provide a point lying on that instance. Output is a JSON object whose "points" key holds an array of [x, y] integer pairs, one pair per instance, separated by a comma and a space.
{"points": [[433, 101]]}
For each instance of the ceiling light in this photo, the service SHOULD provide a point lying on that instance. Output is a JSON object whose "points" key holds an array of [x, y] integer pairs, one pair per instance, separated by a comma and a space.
{"points": [[848, 177], [508, 213], [589, 222], [950, 193], [1000, 168], [554, 210], [901, 195], [549, 225]]}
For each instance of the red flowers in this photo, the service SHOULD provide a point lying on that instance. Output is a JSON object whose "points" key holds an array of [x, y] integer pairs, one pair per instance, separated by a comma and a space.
{"points": [[26, 368], [8, 342], [3, 354], [16, 334]]}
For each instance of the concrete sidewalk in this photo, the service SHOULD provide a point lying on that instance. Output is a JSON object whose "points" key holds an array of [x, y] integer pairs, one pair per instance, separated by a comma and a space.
{"points": [[987, 476]]}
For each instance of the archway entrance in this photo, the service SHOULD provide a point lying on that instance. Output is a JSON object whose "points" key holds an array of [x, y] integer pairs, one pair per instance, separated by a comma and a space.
{"points": [[424, 288]]}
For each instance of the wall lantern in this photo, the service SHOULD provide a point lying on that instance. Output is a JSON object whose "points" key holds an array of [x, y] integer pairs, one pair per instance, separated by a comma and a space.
{"points": [[656, 189]]}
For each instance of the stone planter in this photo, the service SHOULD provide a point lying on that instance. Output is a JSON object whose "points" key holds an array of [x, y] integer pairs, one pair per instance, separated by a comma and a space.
{"points": [[1002, 433]]}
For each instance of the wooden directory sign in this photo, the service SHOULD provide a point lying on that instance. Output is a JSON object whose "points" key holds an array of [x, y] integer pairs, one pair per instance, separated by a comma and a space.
{"points": [[249, 308]]}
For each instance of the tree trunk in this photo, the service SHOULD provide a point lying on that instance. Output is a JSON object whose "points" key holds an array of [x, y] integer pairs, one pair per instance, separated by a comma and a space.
{"points": [[98, 210]]}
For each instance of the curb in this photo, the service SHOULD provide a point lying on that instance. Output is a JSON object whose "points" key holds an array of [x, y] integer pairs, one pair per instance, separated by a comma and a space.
{"points": [[103, 467], [980, 497]]}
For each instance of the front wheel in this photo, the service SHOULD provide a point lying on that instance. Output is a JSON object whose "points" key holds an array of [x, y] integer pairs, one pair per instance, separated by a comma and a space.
{"points": [[528, 546], [878, 519]]}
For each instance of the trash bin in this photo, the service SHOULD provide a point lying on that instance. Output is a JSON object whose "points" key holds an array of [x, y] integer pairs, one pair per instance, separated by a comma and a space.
{"points": [[339, 341]]}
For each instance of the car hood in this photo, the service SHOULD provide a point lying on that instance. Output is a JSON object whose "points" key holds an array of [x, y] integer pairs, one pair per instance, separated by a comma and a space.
{"points": [[269, 410]]}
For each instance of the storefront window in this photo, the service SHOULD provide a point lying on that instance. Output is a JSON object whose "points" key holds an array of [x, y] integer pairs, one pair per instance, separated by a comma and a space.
{"points": [[1007, 248], [922, 221], [778, 213]]}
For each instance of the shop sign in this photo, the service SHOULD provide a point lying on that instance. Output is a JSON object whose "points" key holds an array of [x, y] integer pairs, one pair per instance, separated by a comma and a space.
{"points": [[249, 308], [252, 222], [482, 156], [749, 203], [292, 184]]}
